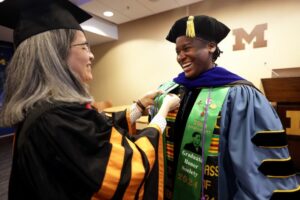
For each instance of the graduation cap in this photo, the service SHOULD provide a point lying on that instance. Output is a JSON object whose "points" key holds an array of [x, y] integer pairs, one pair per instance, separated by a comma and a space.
{"points": [[31, 17], [202, 26]]}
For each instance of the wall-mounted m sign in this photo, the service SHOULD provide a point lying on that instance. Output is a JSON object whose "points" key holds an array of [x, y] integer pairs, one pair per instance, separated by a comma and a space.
{"points": [[258, 33]]}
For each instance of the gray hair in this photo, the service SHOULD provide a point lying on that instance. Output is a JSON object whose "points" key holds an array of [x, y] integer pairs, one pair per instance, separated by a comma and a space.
{"points": [[39, 72]]}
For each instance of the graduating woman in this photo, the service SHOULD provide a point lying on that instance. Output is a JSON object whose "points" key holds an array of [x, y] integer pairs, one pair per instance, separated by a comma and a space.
{"points": [[244, 154]]}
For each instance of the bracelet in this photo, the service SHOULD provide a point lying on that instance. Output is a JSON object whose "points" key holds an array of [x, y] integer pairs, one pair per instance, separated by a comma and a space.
{"points": [[139, 103]]}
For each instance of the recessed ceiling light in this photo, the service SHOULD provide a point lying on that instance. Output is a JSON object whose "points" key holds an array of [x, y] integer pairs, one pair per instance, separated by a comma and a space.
{"points": [[1, 1], [108, 13]]}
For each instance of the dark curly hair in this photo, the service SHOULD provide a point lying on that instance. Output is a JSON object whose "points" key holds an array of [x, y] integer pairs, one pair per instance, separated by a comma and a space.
{"points": [[216, 54]]}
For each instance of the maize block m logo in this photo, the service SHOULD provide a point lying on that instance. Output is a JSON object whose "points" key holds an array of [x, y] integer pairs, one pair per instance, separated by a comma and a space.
{"points": [[257, 33]]}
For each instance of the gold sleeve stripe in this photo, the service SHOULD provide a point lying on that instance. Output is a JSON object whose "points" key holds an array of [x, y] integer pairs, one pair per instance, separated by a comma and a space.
{"points": [[161, 163], [278, 159], [293, 190], [270, 176], [131, 126], [286, 194], [274, 131], [161, 168], [113, 168], [137, 172], [145, 145]]}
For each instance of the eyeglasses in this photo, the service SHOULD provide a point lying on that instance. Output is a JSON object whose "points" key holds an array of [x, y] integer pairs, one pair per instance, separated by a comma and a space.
{"points": [[85, 46]]}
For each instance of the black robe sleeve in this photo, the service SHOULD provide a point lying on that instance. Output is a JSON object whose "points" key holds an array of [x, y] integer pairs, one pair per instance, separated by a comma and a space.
{"points": [[71, 152]]}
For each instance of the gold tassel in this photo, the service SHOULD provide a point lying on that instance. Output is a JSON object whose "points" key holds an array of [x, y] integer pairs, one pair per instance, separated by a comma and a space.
{"points": [[190, 28]]}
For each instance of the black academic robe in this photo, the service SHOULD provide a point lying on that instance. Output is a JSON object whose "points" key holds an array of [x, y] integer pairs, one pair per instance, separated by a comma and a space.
{"points": [[67, 151]]}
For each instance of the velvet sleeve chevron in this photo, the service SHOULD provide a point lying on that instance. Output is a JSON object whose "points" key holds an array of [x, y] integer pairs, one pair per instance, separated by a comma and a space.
{"points": [[122, 120], [149, 144], [260, 165], [76, 153]]}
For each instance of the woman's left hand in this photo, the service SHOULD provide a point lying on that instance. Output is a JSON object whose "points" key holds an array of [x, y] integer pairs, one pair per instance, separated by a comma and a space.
{"points": [[148, 98]]}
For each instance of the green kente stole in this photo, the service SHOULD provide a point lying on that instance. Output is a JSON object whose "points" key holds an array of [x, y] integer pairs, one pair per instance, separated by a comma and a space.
{"points": [[168, 145], [202, 119]]}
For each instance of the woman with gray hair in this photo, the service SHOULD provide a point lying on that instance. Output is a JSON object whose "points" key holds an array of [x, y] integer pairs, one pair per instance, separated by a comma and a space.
{"points": [[64, 149]]}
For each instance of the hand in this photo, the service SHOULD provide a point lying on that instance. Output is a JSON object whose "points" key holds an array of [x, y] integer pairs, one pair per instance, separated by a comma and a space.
{"points": [[148, 98], [171, 102]]}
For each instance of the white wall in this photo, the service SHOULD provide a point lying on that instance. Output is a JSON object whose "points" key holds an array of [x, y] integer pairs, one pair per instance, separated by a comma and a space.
{"points": [[142, 59]]}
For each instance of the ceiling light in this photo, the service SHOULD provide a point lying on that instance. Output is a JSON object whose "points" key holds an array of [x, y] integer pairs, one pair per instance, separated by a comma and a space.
{"points": [[108, 13], [1, 1]]}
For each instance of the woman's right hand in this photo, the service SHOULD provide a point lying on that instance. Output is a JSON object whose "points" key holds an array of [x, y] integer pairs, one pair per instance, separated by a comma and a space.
{"points": [[170, 102]]}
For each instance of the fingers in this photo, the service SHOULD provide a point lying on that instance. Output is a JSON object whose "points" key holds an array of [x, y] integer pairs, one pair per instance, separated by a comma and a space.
{"points": [[153, 94], [173, 101], [148, 98], [156, 92], [160, 91]]}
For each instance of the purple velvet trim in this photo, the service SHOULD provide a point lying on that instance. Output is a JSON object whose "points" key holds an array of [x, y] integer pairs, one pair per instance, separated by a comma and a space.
{"points": [[216, 76]]}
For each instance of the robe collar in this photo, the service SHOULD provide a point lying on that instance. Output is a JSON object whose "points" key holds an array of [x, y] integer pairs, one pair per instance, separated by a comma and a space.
{"points": [[216, 76]]}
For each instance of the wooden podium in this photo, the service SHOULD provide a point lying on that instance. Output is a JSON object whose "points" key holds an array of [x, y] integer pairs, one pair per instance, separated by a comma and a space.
{"points": [[284, 93]]}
